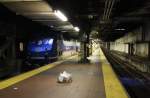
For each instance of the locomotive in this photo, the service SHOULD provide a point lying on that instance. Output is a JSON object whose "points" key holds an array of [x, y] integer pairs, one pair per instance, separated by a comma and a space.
{"points": [[49, 49]]}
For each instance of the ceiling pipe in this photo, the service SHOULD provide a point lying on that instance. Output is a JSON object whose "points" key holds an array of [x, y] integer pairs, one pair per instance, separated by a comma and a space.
{"points": [[105, 9], [108, 8], [112, 4]]}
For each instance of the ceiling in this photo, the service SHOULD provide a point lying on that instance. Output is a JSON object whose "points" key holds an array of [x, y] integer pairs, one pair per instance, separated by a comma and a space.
{"points": [[40, 11], [111, 18]]}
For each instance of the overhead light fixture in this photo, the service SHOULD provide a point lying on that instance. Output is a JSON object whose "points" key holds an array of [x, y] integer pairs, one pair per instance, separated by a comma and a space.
{"points": [[76, 29], [60, 15], [52, 26], [122, 29]]}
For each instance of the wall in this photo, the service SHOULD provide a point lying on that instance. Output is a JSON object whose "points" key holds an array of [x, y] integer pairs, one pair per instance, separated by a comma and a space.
{"points": [[135, 43], [138, 40], [141, 49], [119, 47]]}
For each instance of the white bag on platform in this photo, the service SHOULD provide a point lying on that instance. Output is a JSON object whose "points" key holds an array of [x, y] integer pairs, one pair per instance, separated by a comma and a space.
{"points": [[64, 77]]}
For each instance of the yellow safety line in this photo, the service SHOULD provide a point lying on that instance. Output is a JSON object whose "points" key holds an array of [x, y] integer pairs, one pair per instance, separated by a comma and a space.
{"points": [[16, 79], [113, 87]]}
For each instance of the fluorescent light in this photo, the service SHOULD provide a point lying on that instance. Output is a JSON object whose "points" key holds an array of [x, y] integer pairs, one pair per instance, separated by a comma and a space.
{"points": [[76, 29], [60, 15], [52, 26], [122, 29]]}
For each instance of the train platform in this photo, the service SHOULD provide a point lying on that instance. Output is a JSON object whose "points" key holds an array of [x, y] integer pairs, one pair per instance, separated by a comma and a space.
{"points": [[93, 80]]}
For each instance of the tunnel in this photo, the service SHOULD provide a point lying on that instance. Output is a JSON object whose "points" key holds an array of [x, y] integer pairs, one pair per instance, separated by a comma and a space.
{"points": [[74, 49]]}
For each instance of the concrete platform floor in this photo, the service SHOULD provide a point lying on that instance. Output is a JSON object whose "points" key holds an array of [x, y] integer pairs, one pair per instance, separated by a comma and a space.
{"points": [[87, 83]]}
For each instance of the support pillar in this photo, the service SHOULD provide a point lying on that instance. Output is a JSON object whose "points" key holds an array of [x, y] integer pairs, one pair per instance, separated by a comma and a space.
{"points": [[149, 50], [84, 52]]}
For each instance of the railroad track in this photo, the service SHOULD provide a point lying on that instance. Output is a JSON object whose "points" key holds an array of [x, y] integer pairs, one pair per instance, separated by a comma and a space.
{"points": [[137, 85]]}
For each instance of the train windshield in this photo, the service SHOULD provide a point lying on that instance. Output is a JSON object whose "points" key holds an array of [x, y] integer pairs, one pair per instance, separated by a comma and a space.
{"points": [[40, 45]]}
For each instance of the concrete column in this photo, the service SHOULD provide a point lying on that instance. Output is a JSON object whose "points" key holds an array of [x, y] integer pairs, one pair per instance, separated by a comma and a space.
{"points": [[129, 48], [87, 45], [84, 53], [149, 50]]}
